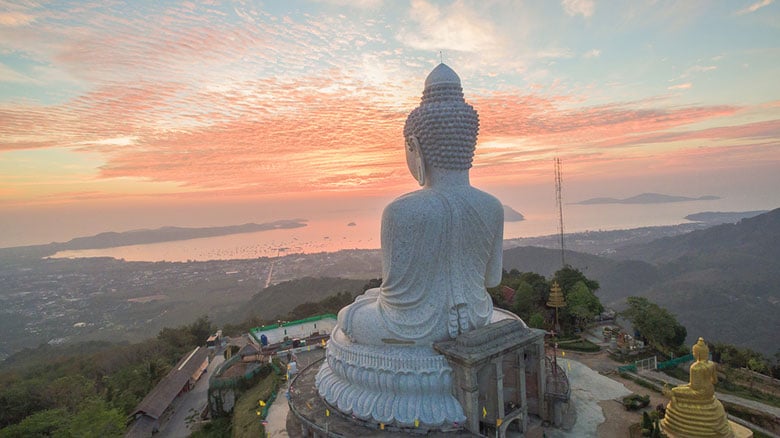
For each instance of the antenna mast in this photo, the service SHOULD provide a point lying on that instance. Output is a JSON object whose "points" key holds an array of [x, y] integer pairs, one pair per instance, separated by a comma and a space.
{"points": [[559, 202]]}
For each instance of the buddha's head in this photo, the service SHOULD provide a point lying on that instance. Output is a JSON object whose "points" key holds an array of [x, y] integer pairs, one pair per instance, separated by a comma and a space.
{"points": [[700, 350], [442, 131]]}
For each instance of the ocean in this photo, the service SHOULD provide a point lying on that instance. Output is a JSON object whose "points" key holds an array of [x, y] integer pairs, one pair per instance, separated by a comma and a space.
{"points": [[362, 232]]}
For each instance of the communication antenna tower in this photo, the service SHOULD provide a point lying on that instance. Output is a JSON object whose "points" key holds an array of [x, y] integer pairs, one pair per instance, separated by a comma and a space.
{"points": [[559, 203]]}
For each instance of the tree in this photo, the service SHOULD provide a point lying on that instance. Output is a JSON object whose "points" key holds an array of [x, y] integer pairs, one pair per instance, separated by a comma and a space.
{"points": [[536, 320], [95, 419], [583, 305], [517, 280], [39, 424], [659, 327], [201, 329], [524, 302], [568, 277]]}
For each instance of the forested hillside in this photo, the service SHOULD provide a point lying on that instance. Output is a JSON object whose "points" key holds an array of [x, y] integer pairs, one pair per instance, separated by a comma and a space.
{"points": [[722, 283], [281, 299], [87, 389]]}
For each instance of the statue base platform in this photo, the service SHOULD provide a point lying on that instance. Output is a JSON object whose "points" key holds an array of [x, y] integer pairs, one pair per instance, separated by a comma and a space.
{"points": [[739, 431], [397, 386], [316, 418], [696, 418]]}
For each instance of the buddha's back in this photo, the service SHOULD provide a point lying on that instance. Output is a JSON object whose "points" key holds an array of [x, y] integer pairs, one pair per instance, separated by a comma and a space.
{"points": [[441, 248]]}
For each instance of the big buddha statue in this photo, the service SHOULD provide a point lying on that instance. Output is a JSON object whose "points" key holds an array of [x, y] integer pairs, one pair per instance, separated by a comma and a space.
{"points": [[693, 410], [441, 248]]}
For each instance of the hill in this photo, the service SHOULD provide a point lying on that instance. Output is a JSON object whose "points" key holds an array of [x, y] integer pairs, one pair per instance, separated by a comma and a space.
{"points": [[616, 277], [720, 282], [646, 198], [280, 299], [722, 217], [756, 237]]}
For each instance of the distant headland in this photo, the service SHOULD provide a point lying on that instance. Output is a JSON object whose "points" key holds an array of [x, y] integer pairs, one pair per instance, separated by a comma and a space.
{"points": [[169, 234], [140, 237], [512, 215], [646, 198], [720, 217]]}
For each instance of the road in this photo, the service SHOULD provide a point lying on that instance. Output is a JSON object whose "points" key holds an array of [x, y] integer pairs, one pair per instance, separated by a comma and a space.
{"points": [[187, 407]]}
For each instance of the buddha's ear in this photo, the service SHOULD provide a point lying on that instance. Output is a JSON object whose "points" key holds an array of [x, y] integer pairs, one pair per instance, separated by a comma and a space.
{"points": [[414, 159]]}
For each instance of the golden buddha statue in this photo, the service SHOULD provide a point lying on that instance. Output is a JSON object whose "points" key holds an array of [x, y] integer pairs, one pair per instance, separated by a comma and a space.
{"points": [[693, 410]]}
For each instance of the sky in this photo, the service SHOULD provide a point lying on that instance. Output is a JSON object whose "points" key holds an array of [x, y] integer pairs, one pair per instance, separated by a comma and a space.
{"points": [[124, 115]]}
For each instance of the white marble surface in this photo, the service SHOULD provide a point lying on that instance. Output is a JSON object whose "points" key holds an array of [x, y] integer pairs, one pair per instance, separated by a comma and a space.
{"points": [[441, 248]]}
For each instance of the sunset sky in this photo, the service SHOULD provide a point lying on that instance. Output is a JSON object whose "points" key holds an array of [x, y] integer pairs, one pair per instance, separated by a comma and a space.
{"points": [[123, 115]]}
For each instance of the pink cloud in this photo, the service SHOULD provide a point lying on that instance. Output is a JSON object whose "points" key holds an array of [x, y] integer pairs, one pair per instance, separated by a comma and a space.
{"points": [[15, 19], [271, 136], [755, 6], [168, 81], [579, 7], [684, 86]]}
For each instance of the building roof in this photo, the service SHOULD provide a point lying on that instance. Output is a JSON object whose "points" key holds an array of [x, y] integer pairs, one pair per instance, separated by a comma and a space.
{"points": [[489, 341], [142, 427], [255, 332], [508, 293], [161, 396]]}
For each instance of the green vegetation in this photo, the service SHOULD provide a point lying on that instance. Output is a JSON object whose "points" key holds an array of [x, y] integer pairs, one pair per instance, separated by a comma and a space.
{"points": [[732, 357], [533, 290], [89, 389], [635, 402], [677, 373], [94, 418], [729, 387], [758, 418], [285, 295], [650, 425], [274, 302], [640, 381], [656, 325], [216, 428], [66, 392], [583, 345], [246, 422]]}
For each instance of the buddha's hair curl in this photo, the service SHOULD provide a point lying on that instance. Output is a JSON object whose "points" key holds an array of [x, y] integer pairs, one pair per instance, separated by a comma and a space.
{"points": [[446, 127]]}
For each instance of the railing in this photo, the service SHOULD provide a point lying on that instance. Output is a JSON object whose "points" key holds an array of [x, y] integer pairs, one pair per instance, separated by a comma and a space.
{"points": [[308, 423], [674, 362], [557, 381]]}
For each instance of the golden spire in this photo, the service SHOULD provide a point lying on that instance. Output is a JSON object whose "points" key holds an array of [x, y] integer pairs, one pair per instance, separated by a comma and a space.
{"points": [[556, 296]]}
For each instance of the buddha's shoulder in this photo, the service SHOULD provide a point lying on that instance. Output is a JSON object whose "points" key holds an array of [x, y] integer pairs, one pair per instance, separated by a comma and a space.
{"points": [[425, 201], [415, 203], [486, 199], [703, 365]]}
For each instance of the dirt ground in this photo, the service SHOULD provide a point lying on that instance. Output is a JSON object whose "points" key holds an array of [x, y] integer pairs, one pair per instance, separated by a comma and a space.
{"points": [[618, 419]]}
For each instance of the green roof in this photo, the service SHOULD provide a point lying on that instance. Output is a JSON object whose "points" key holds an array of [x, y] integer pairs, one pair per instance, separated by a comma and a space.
{"points": [[264, 328]]}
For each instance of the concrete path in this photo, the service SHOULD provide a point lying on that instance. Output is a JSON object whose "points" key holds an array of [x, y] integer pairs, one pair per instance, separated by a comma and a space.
{"points": [[277, 417], [739, 401], [277, 413], [588, 388]]}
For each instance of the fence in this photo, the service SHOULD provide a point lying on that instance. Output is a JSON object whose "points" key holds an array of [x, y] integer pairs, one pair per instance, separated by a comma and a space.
{"points": [[652, 363], [674, 362]]}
